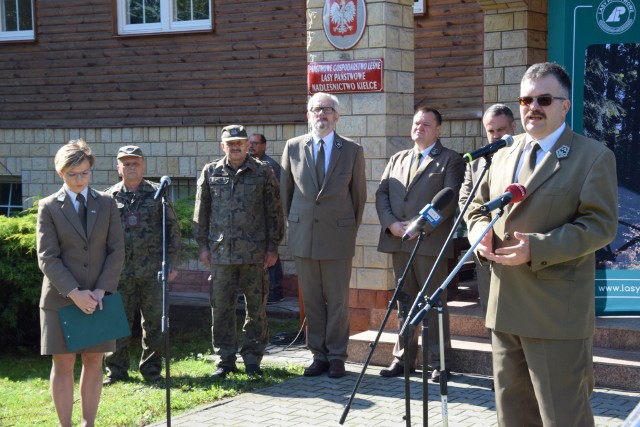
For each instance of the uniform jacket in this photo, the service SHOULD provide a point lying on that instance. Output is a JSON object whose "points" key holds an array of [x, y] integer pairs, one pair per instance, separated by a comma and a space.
{"points": [[143, 240], [238, 216], [323, 222], [571, 207], [398, 200], [471, 176], [274, 165], [71, 258]]}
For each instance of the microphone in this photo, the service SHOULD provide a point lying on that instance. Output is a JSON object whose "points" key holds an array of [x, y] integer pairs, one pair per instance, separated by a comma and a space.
{"points": [[512, 194], [165, 181], [430, 213], [488, 149]]}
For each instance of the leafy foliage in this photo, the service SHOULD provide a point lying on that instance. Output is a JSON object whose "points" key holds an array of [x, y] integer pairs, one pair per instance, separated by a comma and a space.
{"points": [[184, 212], [20, 281]]}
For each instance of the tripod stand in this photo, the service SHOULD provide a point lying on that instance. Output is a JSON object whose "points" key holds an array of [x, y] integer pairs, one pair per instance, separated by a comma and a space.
{"points": [[398, 295]]}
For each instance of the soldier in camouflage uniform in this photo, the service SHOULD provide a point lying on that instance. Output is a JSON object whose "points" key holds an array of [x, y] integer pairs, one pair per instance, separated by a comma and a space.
{"points": [[141, 218], [238, 224], [257, 148]]}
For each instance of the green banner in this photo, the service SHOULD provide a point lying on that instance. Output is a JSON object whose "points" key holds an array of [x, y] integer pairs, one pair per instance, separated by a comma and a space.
{"points": [[574, 25], [598, 43]]}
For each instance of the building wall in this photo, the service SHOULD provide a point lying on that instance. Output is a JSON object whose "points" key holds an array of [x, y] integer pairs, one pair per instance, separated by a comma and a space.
{"points": [[79, 74]]}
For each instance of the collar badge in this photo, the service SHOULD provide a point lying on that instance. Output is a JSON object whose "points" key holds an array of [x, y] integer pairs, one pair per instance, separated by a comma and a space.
{"points": [[562, 152]]}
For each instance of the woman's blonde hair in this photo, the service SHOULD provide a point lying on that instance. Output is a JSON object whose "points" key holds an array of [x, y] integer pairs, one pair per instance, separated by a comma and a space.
{"points": [[72, 154]]}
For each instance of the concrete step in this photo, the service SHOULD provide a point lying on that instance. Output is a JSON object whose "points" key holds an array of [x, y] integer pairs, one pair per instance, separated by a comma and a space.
{"points": [[613, 368], [616, 346]]}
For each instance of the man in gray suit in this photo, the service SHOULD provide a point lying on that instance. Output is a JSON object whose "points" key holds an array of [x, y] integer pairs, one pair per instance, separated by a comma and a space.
{"points": [[498, 121], [323, 189], [541, 306], [411, 180]]}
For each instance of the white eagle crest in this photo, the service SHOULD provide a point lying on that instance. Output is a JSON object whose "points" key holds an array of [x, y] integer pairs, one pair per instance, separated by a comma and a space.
{"points": [[343, 16]]}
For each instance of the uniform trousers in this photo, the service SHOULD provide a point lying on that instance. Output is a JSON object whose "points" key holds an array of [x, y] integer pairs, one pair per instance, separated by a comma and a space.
{"points": [[416, 276], [253, 279], [144, 296], [325, 295], [542, 382]]}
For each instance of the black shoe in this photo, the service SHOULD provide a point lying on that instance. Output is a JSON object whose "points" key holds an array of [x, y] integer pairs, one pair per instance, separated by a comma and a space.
{"points": [[153, 378], [253, 369], [316, 368], [435, 375], [336, 368], [223, 371], [110, 380], [394, 370], [274, 299]]}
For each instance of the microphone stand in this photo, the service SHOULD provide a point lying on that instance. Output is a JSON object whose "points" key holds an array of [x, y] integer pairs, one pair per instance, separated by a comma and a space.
{"points": [[421, 316], [422, 295], [398, 295], [436, 295], [443, 370], [163, 278]]}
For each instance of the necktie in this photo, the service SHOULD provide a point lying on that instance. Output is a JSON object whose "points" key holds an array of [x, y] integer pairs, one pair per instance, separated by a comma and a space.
{"points": [[529, 165], [82, 211], [320, 163], [414, 165]]}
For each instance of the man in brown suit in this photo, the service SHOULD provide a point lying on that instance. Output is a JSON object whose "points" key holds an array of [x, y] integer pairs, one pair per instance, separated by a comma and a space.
{"points": [[541, 306], [498, 121], [323, 190], [410, 181]]}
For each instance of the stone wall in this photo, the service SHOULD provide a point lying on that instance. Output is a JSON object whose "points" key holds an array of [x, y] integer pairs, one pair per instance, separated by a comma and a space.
{"points": [[515, 37]]}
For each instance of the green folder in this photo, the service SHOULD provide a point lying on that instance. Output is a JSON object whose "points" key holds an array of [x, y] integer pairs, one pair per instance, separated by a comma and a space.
{"points": [[83, 330]]}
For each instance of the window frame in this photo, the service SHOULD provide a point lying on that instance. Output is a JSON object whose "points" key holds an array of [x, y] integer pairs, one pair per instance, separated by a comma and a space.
{"points": [[20, 35], [12, 183], [166, 25]]}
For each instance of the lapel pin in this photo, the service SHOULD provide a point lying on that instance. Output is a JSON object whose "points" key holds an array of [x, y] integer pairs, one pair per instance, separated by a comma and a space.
{"points": [[562, 152]]}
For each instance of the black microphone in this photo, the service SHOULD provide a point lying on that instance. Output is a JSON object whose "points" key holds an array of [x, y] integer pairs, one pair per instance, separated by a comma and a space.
{"points": [[512, 194], [488, 149], [430, 213], [165, 181]]}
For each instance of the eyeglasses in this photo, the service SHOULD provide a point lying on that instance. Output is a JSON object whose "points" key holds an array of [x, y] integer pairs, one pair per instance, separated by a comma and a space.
{"points": [[76, 175], [256, 142], [326, 110], [542, 100]]}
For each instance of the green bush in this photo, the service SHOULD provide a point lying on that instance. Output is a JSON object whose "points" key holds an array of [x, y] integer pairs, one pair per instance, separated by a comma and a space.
{"points": [[20, 282], [184, 212]]}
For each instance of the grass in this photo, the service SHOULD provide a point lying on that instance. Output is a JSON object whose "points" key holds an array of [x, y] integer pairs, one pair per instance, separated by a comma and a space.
{"points": [[25, 398]]}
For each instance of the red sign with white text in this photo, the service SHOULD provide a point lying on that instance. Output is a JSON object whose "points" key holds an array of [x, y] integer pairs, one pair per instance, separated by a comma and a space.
{"points": [[345, 76]]}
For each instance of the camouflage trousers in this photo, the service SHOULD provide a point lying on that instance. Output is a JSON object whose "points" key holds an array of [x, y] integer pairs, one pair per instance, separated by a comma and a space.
{"points": [[145, 296], [254, 282]]}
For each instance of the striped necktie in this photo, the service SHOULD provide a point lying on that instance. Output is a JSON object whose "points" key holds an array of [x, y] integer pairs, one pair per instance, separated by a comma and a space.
{"points": [[320, 163], [529, 164], [82, 211], [414, 165]]}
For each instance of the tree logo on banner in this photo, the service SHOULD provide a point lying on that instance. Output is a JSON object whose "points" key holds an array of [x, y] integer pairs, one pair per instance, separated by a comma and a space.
{"points": [[344, 22], [616, 16]]}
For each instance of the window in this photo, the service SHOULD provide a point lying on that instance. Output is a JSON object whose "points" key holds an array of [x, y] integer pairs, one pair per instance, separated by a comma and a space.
{"points": [[10, 196], [160, 16], [16, 20]]}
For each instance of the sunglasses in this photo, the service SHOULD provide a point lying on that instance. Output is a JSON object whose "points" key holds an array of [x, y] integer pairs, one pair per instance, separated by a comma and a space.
{"points": [[543, 100]]}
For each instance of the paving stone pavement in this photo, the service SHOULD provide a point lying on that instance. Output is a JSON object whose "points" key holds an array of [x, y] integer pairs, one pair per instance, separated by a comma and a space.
{"points": [[320, 401]]}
